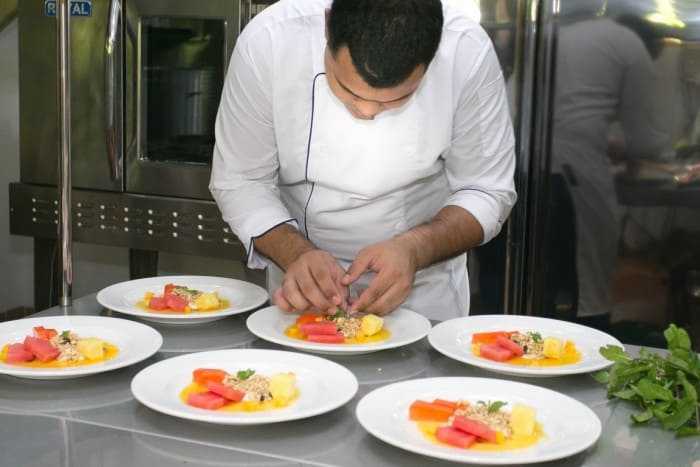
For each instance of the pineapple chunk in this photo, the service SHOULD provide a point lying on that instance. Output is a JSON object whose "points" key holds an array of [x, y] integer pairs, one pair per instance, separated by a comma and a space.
{"points": [[553, 347], [283, 387], [371, 324], [522, 419], [207, 301], [91, 348]]}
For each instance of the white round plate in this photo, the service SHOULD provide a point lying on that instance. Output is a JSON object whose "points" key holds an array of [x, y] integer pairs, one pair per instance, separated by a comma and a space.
{"points": [[242, 296], [136, 342], [569, 426], [406, 327], [323, 385], [454, 339]]}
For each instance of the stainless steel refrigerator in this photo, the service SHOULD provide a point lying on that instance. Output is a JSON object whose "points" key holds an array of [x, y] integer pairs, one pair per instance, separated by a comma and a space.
{"points": [[605, 100]]}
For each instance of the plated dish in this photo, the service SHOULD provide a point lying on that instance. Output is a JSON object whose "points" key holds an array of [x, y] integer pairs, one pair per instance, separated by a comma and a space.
{"points": [[482, 425], [524, 348], [574, 346], [339, 328], [317, 386], [182, 299], [177, 298], [49, 348], [534, 424], [401, 327], [55, 347], [244, 390]]}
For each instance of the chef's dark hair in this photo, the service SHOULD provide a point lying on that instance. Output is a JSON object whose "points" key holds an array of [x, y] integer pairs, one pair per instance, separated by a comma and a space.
{"points": [[387, 39]]}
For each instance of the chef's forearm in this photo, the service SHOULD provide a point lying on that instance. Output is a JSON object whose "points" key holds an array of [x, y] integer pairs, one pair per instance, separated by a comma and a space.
{"points": [[283, 245], [451, 232]]}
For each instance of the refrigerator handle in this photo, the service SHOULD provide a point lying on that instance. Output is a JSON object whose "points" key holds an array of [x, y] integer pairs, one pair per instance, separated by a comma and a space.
{"points": [[535, 71], [536, 219], [131, 66], [111, 94]]}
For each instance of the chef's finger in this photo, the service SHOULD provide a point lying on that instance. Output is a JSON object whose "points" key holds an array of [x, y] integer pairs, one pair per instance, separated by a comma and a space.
{"points": [[315, 295], [384, 304], [281, 302], [333, 292], [342, 291], [359, 265], [387, 301], [292, 293], [368, 298]]}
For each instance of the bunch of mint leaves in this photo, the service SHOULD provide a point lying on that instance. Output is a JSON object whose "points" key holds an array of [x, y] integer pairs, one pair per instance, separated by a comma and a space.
{"points": [[665, 387]]}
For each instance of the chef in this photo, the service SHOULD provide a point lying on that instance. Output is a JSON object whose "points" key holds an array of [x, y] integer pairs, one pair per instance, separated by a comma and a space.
{"points": [[362, 147]]}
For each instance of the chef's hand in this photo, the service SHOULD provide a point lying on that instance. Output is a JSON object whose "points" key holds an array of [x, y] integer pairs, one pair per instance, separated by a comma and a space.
{"points": [[395, 265], [312, 282]]}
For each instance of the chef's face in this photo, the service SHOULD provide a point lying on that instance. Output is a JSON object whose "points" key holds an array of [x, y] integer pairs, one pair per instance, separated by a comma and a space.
{"points": [[362, 100]]}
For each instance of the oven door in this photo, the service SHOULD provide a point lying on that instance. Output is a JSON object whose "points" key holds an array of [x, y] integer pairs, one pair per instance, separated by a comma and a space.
{"points": [[96, 94], [176, 53]]}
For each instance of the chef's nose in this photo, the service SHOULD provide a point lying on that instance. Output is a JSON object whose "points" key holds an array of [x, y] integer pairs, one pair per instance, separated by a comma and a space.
{"points": [[367, 109]]}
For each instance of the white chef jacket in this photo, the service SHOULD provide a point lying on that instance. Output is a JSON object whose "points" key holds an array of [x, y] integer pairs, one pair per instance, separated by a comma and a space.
{"points": [[287, 150]]}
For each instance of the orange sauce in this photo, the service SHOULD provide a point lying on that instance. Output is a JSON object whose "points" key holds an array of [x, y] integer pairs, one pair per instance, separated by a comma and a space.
{"points": [[571, 355], [242, 406], [143, 304], [110, 352], [427, 429], [294, 332]]}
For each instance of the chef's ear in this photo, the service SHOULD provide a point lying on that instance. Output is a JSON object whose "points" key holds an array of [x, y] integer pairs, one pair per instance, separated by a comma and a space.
{"points": [[325, 29]]}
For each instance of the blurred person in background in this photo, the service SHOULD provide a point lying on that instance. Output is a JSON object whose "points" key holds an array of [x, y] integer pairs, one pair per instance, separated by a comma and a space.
{"points": [[603, 77]]}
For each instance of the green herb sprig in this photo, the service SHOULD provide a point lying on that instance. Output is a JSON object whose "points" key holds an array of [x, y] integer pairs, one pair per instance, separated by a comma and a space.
{"points": [[243, 375], [665, 388], [492, 407], [339, 314]]}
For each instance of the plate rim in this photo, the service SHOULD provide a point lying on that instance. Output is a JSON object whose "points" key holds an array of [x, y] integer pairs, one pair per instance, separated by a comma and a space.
{"points": [[205, 417], [87, 370], [184, 318], [480, 458], [514, 370], [347, 349]]}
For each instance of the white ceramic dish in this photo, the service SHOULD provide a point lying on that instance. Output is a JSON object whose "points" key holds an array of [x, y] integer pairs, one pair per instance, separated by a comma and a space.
{"points": [[242, 296], [406, 327], [569, 426], [136, 342], [453, 338], [323, 385]]}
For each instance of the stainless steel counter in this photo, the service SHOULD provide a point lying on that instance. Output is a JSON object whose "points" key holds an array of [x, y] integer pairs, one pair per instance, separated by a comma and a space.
{"points": [[94, 421]]}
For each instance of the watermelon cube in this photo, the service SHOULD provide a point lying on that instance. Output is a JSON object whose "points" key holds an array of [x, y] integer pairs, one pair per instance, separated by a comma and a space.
{"points": [[206, 400], [336, 338], [319, 327], [157, 303], [41, 348], [176, 303], [16, 353]]}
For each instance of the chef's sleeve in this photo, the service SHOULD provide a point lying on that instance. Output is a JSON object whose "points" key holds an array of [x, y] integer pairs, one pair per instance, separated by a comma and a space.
{"points": [[480, 162], [245, 162]]}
